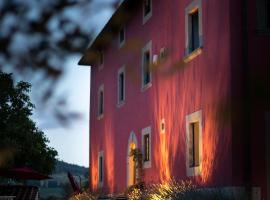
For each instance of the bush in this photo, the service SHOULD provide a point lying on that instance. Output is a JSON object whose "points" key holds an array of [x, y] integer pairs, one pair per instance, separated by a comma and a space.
{"points": [[171, 190], [183, 190], [83, 196]]}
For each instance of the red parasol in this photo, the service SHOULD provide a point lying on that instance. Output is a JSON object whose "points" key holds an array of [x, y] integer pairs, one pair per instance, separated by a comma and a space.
{"points": [[23, 174]]}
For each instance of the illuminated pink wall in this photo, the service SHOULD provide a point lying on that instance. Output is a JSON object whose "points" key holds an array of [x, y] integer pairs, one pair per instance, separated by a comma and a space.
{"points": [[210, 82]]}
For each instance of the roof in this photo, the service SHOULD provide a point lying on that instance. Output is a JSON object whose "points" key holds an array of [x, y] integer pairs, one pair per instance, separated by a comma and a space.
{"points": [[119, 18]]}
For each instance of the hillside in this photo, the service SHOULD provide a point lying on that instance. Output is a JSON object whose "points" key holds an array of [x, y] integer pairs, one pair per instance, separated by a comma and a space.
{"points": [[64, 167], [59, 187]]}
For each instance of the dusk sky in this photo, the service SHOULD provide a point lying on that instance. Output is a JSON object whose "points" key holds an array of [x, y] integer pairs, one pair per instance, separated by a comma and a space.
{"points": [[72, 142]]}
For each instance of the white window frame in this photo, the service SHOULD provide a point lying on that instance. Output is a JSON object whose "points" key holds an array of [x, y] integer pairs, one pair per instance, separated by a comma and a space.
{"points": [[121, 102], [101, 154], [147, 47], [149, 15], [100, 64], [191, 8], [147, 131], [100, 89], [194, 118], [121, 43]]}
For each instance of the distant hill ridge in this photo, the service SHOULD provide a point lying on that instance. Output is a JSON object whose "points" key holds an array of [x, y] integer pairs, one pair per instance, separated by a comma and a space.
{"points": [[64, 167]]}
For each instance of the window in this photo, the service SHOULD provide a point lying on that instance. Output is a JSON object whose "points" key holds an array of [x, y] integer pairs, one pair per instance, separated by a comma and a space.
{"points": [[146, 67], [100, 60], [194, 39], [146, 64], [122, 36], [121, 85], [193, 21], [146, 150], [263, 15], [194, 143], [146, 147], [100, 101], [100, 168], [147, 10]]}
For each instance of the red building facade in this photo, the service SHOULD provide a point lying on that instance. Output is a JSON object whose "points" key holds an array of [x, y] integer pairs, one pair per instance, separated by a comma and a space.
{"points": [[185, 82]]}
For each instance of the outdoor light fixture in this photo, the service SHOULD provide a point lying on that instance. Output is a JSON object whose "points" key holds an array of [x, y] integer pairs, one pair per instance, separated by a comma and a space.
{"points": [[155, 59], [162, 126], [162, 54]]}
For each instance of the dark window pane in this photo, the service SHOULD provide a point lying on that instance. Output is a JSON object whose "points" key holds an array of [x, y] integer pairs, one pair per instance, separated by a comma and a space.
{"points": [[101, 100], [194, 145], [147, 7], [101, 57], [146, 68], [194, 31], [146, 148], [100, 169], [121, 35], [191, 145], [121, 87]]}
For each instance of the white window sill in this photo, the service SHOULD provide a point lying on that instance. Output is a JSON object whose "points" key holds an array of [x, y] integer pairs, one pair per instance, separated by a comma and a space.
{"points": [[99, 117], [147, 17], [120, 104], [192, 55], [147, 86], [147, 164], [100, 67], [194, 171], [121, 44], [100, 184]]}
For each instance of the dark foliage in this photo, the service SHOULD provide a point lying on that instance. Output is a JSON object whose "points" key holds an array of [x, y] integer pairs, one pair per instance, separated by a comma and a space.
{"points": [[63, 167], [37, 38], [32, 20], [21, 139]]}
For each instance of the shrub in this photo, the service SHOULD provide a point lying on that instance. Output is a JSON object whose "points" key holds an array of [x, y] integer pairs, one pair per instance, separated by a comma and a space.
{"points": [[171, 190], [168, 190], [83, 196], [183, 190]]}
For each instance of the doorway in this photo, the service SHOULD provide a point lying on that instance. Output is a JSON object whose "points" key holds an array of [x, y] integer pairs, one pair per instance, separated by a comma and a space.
{"points": [[131, 164]]}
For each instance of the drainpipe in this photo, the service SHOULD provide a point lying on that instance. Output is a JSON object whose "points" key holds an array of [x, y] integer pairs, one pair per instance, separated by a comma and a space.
{"points": [[246, 100]]}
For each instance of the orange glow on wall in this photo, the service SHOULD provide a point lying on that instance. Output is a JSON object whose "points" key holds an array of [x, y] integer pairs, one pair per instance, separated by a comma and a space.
{"points": [[94, 170], [162, 159], [173, 102], [209, 151], [166, 143], [104, 142], [109, 155]]}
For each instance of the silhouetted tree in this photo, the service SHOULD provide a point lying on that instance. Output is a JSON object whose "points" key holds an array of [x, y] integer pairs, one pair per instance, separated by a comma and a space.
{"points": [[21, 143]]}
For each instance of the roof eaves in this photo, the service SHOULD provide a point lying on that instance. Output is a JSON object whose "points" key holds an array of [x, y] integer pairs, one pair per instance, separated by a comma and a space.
{"points": [[120, 17]]}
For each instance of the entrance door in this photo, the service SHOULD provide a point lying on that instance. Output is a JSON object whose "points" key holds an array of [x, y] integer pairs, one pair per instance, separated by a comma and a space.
{"points": [[131, 165]]}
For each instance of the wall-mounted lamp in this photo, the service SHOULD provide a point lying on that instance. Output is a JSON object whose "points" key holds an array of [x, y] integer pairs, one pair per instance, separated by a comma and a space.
{"points": [[162, 126], [155, 59]]}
